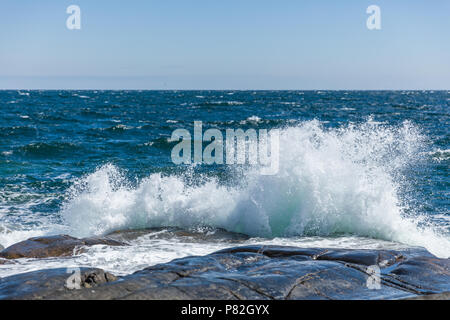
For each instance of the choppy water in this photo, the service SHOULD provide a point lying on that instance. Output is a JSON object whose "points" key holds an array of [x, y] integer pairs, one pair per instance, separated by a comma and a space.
{"points": [[357, 169]]}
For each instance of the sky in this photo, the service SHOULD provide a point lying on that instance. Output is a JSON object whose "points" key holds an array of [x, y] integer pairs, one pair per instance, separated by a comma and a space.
{"points": [[226, 44]]}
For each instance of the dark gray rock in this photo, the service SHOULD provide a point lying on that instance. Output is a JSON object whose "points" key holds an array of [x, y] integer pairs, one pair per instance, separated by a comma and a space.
{"points": [[437, 296], [195, 236], [49, 284], [256, 272], [52, 246]]}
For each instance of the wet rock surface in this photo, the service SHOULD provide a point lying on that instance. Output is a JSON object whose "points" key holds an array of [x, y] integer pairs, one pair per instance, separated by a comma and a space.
{"points": [[168, 233], [50, 284], [255, 272], [52, 246], [6, 261]]}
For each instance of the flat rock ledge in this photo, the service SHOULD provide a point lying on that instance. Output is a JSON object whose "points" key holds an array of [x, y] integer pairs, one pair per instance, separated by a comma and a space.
{"points": [[53, 246], [254, 272]]}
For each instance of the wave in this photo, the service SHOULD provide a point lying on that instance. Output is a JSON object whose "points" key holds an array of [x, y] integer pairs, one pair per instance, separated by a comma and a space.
{"points": [[440, 155], [43, 149], [220, 103], [341, 181], [18, 131]]}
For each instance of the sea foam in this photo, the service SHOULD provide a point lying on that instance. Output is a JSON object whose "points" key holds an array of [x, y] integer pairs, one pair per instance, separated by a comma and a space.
{"points": [[331, 182]]}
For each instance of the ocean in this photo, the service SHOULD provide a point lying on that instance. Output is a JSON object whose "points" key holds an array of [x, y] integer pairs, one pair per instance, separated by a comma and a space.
{"points": [[357, 169]]}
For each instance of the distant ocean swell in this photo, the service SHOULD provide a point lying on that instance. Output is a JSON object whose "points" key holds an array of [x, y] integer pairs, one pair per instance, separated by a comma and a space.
{"points": [[344, 181]]}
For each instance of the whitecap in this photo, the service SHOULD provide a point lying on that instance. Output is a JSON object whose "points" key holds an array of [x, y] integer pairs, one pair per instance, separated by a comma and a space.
{"points": [[330, 181]]}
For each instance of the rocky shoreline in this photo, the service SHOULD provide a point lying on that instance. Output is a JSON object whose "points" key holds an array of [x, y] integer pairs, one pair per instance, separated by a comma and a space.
{"points": [[246, 272]]}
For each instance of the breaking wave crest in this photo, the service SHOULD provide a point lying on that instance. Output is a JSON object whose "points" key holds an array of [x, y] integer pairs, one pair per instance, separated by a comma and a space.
{"points": [[341, 181]]}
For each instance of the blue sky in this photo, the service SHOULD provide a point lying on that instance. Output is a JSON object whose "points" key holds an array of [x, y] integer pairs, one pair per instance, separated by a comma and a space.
{"points": [[210, 44]]}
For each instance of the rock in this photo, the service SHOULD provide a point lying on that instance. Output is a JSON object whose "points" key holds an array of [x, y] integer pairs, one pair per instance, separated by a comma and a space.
{"points": [[6, 261], [257, 272], [49, 283], [197, 236], [438, 296], [1, 247], [52, 246]]}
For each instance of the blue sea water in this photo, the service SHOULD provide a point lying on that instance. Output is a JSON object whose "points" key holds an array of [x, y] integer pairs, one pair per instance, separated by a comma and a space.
{"points": [[357, 168]]}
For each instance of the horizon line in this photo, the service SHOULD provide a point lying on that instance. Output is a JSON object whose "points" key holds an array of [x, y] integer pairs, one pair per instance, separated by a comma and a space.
{"points": [[206, 89]]}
